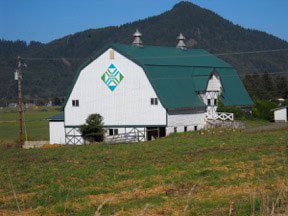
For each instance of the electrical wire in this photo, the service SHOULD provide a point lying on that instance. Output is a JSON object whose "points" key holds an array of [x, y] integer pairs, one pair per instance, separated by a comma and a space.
{"points": [[165, 57]]}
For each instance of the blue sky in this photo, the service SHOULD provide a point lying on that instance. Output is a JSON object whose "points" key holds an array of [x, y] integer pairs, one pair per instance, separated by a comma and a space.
{"points": [[46, 20]]}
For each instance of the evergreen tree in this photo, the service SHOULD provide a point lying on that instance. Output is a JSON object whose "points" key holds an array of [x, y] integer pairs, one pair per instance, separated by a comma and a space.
{"points": [[269, 86], [282, 86]]}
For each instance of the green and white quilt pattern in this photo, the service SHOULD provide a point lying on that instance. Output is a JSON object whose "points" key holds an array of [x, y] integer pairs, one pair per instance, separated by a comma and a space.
{"points": [[112, 77]]}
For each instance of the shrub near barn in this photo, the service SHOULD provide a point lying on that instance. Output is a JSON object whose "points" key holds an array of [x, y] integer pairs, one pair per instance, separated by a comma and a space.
{"points": [[239, 113], [93, 130], [262, 109]]}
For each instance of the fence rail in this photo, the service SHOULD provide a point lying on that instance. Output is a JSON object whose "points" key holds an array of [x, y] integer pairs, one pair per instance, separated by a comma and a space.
{"points": [[134, 135], [221, 116]]}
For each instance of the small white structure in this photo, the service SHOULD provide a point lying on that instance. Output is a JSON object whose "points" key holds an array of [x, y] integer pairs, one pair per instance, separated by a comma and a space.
{"points": [[281, 114], [146, 92], [56, 129]]}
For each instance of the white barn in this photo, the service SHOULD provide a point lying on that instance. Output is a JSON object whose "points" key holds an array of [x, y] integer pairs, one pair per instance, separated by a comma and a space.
{"points": [[281, 114], [144, 92]]}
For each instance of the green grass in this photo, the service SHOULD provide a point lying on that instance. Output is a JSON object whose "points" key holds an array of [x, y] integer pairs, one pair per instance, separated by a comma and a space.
{"points": [[255, 123], [36, 123], [154, 177]]}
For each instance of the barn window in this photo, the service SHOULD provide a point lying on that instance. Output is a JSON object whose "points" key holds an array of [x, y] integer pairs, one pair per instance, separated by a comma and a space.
{"points": [[154, 101], [75, 103], [215, 102], [110, 132], [113, 132], [185, 129], [195, 128], [175, 129], [209, 102]]}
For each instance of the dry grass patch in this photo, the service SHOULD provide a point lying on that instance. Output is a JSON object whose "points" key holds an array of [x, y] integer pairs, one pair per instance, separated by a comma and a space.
{"points": [[26, 212], [48, 146], [9, 197], [127, 183], [137, 193]]}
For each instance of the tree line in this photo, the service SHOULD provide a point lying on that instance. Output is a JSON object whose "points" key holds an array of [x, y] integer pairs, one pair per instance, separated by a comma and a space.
{"points": [[266, 86]]}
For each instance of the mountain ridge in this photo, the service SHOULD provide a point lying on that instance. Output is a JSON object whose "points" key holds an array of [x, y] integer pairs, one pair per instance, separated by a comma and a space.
{"points": [[203, 29]]}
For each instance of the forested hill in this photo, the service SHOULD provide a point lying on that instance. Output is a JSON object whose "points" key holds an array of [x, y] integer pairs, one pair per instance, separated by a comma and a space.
{"points": [[51, 66]]}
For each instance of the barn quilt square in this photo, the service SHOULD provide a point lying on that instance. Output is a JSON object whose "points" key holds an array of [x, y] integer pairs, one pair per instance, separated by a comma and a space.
{"points": [[112, 77]]}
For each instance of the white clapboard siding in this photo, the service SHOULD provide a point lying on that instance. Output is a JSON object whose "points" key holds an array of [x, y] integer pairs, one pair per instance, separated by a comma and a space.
{"points": [[280, 115], [190, 120], [128, 104], [57, 132]]}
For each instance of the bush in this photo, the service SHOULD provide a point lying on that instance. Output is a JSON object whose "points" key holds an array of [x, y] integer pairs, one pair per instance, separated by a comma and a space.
{"points": [[263, 109], [93, 130], [238, 112]]}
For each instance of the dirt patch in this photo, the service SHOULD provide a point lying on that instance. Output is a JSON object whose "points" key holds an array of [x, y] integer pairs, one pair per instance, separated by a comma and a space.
{"points": [[270, 127], [8, 197], [215, 161], [272, 148], [16, 213], [137, 193], [167, 208], [48, 146], [219, 168], [215, 149], [128, 183], [124, 172]]}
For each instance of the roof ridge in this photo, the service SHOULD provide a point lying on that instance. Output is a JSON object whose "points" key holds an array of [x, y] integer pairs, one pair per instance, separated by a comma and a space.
{"points": [[157, 46]]}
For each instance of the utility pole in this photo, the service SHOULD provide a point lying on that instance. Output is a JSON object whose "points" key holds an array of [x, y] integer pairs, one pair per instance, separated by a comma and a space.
{"points": [[19, 77]]}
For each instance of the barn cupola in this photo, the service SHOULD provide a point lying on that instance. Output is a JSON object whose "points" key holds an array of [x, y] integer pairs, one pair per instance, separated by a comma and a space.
{"points": [[181, 44], [137, 39]]}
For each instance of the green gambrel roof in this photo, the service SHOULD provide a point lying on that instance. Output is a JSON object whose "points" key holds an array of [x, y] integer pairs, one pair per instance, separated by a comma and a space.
{"points": [[156, 55], [177, 76]]}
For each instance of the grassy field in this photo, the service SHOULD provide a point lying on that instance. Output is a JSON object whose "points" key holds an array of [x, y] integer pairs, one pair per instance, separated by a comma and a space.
{"points": [[35, 121], [150, 178]]}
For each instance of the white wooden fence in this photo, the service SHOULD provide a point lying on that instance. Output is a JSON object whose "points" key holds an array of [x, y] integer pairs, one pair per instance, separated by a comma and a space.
{"points": [[221, 116], [134, 135]]}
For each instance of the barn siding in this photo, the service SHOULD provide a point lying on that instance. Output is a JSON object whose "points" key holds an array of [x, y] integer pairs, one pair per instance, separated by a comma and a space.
{"points": [[128, 104], [280, 115], [213, 90], [181, 120], [57, 132], [214, 84]]}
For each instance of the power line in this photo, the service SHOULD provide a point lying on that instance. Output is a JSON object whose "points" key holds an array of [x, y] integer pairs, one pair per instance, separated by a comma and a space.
{"points": [[164, 57], [219, 54], [230, 75], [56, 59]]}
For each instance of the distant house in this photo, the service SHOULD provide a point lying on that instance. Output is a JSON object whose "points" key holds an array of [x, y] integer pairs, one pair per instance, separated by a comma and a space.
{"points": [[29, 105], [12, 105], [49, 104], [281, 114], [145, 92]]}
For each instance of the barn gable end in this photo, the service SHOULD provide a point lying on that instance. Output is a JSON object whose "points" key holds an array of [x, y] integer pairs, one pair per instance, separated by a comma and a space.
{"points": [[122, 98]]}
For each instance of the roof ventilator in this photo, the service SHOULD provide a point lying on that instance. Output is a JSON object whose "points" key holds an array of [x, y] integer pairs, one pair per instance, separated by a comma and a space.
{"points": [[181, 44], [137, 39]]}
